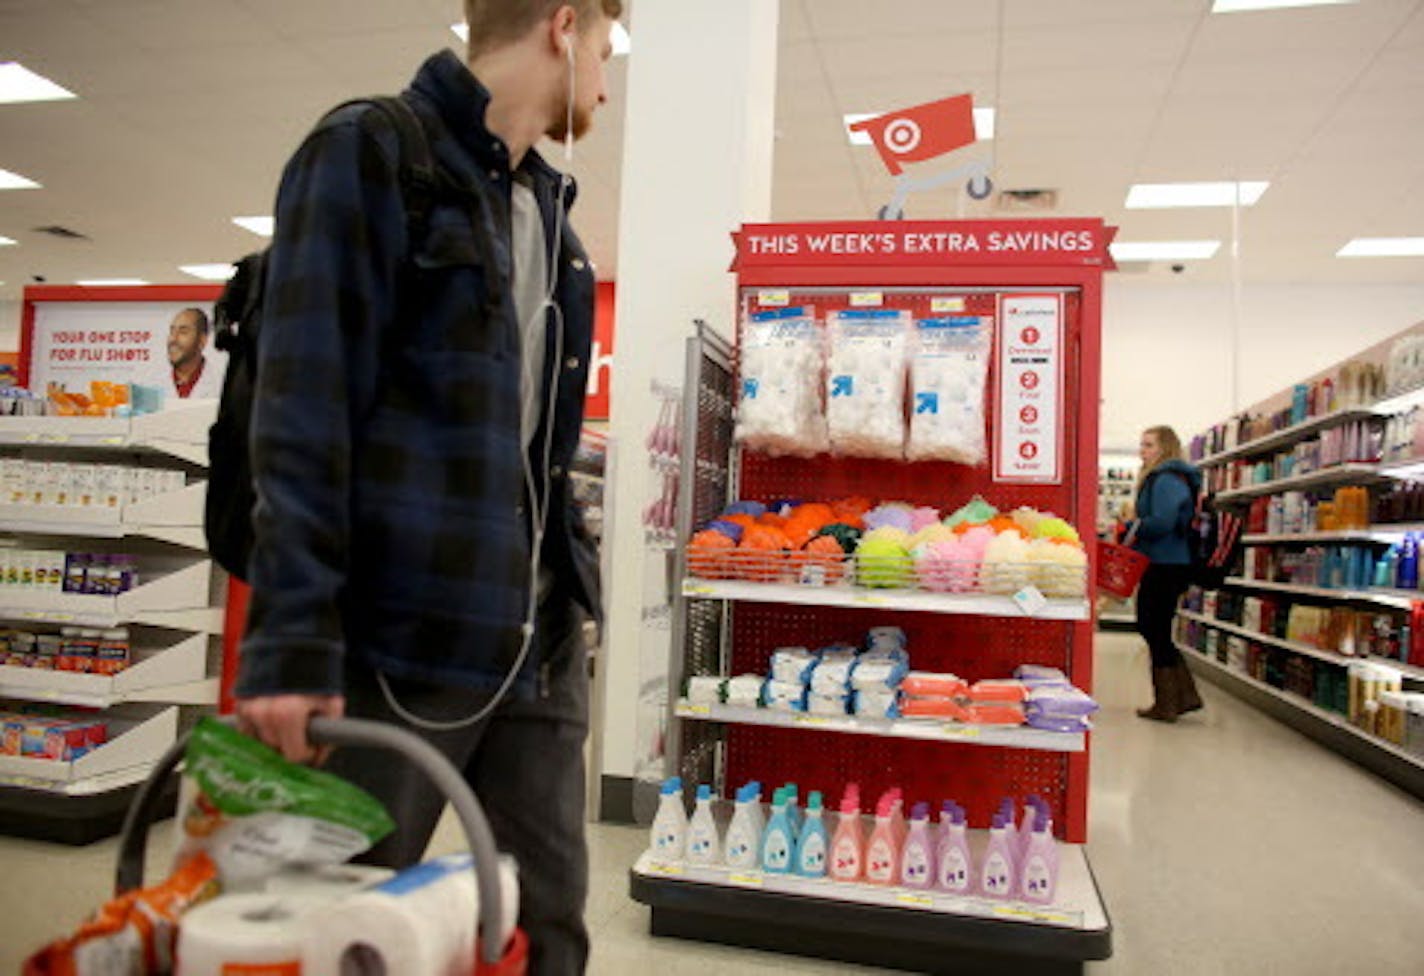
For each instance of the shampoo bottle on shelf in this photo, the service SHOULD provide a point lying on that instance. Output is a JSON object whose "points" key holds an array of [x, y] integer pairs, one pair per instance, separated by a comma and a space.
{"points": [[758, 814], [954, 871], [1406, 571], [704, 846], [917, 858], [996, 878], [670, 823], [793, 808], [778, 842], [744, 832], [848, 845], [882, 853], [813, 845], [1040, 867]]}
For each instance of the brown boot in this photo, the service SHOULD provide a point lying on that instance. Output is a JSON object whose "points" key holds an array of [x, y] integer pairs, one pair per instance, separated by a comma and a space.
{"points": [[1187, 698], [1164, 699]]}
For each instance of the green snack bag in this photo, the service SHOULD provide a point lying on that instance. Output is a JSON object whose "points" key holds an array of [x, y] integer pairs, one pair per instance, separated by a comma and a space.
{"points": [[254, 813]]}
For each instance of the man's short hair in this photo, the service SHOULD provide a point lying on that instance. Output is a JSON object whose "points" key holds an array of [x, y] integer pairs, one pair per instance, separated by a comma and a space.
{"points": [[200, 319], [494, 23]]}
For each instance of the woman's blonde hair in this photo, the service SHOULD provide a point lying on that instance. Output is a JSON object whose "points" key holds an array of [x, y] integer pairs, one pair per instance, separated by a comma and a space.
{"points": [[1169, 449]]}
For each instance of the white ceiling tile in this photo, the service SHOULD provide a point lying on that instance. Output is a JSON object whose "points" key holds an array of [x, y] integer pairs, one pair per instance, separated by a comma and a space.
{"points": [[904, 18]]}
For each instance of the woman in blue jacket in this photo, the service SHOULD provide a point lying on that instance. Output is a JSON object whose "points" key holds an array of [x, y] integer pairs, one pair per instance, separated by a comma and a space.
{"points": [[1166, 501]]}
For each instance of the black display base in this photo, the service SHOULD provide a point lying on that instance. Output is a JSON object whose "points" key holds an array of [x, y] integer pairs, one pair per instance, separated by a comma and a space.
{"points": [[1402, 771], [72, 820], [870, 935]]}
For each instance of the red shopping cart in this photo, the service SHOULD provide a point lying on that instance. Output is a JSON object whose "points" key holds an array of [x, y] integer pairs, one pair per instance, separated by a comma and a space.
{"points": [[490, 959]]}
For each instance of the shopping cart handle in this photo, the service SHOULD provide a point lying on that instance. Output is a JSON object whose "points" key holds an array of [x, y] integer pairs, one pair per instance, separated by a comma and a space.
{"points": [[133, 842]]}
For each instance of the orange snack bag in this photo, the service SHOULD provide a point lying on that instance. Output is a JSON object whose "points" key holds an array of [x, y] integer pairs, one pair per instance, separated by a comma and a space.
{"points": [[138, 928]]}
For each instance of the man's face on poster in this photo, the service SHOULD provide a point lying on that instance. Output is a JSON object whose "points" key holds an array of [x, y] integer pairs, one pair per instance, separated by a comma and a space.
{"points": [[186, 340]]}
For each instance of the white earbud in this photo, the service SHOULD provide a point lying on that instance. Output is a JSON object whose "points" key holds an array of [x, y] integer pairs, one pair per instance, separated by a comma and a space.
{"points": [[569, 122]]}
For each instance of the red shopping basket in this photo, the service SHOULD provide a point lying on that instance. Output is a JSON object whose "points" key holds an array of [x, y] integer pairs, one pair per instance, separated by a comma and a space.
{"points": [[1120, 569], [511, 959]]}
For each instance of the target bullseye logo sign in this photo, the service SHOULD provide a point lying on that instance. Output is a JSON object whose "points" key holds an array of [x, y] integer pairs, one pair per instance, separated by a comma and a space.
{"points": [[903, 136]]}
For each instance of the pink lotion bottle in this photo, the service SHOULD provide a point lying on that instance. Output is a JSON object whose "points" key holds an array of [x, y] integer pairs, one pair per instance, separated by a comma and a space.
{"points": [[1039, 883], [848, 844], [917, 868], [997, 877], [882, 853]]}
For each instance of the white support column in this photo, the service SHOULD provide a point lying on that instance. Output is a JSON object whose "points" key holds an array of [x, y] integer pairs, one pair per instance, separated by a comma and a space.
{"points": [[697, 162]]}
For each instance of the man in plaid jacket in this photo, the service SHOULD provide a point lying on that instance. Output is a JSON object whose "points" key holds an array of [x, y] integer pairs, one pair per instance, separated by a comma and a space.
{"points": [[418, 557]]}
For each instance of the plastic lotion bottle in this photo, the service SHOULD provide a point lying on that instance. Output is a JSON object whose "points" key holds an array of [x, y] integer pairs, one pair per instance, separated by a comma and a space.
{"points": [[897, 817], [744, 832], [1040, 869], [917, 859], [793, 809], [882, 853], [814, 843], [778, 842], [1006, 807], [996, 879], [704, 846], [758, 814], [953, 866], [848, 845], [670, 824], [1026, 824]]}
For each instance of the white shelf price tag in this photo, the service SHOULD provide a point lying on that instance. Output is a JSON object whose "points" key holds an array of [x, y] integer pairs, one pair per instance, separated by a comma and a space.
{"points": [[745, 880], [778, 298], [812, 720], [915, 901], [667, 868], [946, 303], [1030, 600], [960, 731], [867, 299], [697, 709]]}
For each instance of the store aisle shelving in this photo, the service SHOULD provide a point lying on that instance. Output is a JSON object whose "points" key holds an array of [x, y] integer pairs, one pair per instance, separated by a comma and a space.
{"points": [[1223, 804]]}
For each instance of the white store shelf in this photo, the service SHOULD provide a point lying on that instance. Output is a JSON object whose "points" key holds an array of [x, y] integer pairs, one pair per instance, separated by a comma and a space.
{"points": [[173, 517], [132, 745], [1309, 708], [1287, 435], [180, 432], [1077, 905], [844, 596], [175, 600], [176, 675], [1012, 737], [1394, 599], [1381, 533], [1295, 647], [1340, 474]]}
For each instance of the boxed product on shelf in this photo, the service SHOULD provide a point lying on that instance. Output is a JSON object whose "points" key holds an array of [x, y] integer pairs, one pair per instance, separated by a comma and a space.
{"points": [[39, 736]]}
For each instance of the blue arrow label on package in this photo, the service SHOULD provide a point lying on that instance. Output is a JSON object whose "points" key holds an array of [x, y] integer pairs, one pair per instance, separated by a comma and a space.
{"points": [[842, 386]]}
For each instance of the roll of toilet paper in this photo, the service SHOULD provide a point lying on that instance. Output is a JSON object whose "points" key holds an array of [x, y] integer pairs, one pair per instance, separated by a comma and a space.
{"points": [[326, 880], [420, 921], [244, 933]]}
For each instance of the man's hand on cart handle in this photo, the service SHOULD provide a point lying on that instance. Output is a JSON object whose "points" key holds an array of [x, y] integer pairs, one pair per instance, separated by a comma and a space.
{"points": [[281, 722]]}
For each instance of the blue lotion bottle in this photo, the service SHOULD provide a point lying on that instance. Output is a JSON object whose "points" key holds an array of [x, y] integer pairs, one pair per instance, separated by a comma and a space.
{"points": [[813, 846], [1406, 572], [779, 842]]}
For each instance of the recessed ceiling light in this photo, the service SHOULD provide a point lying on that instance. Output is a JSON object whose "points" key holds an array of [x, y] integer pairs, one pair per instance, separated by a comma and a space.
{"points": [[1383, 247], [1148, 196], [258, 225], [1164, 250], [209, 272], [1236, 6], [14, 181], [7, 241], [109, 282], [20, 84], [983, 125], [622, 43]]}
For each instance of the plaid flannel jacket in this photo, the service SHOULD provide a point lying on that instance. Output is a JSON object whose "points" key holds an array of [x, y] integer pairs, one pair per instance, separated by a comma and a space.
{"points": [[391, 519]]}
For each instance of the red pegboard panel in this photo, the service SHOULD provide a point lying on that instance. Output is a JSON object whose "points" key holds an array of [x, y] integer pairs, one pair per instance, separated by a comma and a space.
{"points": [[973, 647]]}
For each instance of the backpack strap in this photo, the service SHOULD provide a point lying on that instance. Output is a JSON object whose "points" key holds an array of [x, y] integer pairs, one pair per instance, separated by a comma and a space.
{"points": [[416, 171]]}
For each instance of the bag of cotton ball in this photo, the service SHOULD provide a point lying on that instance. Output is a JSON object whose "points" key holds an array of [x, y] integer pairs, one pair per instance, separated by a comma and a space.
{"points": [[949, 367], [779, 410], [865, 382]]}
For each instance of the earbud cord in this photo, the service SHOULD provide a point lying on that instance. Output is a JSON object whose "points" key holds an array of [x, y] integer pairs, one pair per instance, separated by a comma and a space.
{"points": [[541, 507]]}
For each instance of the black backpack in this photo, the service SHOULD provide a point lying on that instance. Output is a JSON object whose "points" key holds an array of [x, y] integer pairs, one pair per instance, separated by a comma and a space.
{"points": [[237, 326], [1212, 536]]}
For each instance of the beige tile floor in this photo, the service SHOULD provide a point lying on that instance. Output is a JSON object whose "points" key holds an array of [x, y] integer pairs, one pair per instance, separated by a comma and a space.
{"points": [[1224, 844]]}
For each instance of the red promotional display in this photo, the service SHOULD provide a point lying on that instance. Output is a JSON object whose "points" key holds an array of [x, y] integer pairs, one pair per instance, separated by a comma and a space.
{"points": [[1029, 294]]}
